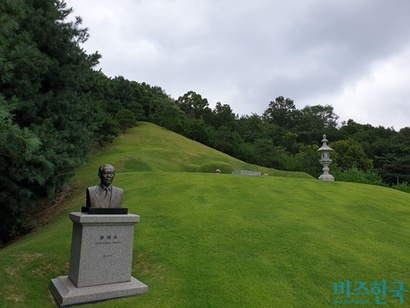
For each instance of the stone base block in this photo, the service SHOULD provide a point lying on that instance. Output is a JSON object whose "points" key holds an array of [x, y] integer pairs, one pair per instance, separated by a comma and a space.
{"points": [[66, 293], [326, 177], [101, 248]]}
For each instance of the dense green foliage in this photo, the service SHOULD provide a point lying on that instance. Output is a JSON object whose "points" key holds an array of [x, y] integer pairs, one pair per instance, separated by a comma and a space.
{"points": [[56, 109], [208, 240]]}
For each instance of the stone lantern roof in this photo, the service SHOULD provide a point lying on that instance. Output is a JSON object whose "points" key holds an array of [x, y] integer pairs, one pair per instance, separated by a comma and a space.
{"points": [[324, 146]]}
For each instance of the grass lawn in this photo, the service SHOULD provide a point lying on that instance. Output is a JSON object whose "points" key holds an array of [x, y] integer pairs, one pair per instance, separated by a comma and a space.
{"points": [[208, 240]]}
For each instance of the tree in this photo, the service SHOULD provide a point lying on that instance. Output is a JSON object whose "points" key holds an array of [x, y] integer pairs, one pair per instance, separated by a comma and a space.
{"points": [[16, 149], [307, 160], [268, 155], [349, 153], [226, 140], [223, 115], [164, 112], [252, 127], [196, 130], [45, 72], [120, 93], [282, 112], [313, 121], [289, 142], [192, 104], [125, 119], [15, 143], [108, 127], [397, 171]]}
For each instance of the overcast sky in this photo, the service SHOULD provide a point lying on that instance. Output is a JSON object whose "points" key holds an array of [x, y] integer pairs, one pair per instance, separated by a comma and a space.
{"points": [[351, 54]]}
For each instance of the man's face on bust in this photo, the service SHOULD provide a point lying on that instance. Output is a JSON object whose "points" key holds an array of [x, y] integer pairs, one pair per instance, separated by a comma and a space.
{"points": [[107, 175]]}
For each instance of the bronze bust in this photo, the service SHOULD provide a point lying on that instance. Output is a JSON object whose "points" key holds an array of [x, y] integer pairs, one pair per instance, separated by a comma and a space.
{"points": [[104, 195]]}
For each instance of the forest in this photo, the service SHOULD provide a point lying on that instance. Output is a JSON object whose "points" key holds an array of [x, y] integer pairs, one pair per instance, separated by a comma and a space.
{"points": [[56, 109]]}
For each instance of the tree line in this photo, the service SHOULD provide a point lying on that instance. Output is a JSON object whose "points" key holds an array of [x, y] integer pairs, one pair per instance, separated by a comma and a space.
{"points": [[56, 109]]}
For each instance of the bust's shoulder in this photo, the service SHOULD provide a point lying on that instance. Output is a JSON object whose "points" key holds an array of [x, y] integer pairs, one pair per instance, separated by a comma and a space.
{"points": [[117, 189], [93, 188]]}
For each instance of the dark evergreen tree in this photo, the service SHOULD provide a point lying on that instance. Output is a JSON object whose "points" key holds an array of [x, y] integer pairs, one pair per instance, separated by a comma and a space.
{"points": [[45, 72], [16, 151], [125, 119]]}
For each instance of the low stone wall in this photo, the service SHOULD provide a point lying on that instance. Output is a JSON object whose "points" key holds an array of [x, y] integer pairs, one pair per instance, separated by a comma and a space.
{"points": [[246, 172]]}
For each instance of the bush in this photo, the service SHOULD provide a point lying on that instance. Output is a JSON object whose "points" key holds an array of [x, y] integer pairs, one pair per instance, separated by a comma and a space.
{"points": [[356, 175], [402, 187]]}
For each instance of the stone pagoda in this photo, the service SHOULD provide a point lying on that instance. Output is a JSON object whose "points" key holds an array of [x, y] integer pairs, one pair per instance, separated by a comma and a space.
{"points": [[325, 160]]}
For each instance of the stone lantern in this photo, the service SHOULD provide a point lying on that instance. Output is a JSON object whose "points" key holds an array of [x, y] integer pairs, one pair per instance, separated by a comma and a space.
{"points": [[325, 161]]}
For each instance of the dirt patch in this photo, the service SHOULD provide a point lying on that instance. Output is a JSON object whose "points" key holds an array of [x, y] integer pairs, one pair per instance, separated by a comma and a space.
{"points": [[45, 209], [11, 271]]}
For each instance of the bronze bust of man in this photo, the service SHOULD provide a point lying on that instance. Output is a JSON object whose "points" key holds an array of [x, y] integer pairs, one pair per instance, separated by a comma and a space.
{"points": [[104, 195]]}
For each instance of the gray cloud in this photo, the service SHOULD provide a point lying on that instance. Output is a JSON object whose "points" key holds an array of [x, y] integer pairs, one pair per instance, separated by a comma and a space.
{"points": [[246, 53]]}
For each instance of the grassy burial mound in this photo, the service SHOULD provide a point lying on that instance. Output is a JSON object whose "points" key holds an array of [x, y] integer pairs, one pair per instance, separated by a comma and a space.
{"points": [[151, 148], [208, 240]]}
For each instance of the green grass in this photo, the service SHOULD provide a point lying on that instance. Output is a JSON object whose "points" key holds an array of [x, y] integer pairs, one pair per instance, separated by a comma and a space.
{"points": [[208, 240], [152, 148]]}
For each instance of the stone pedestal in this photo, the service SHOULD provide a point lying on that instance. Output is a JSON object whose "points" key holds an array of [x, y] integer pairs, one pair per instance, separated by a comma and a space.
{"points": [[100, 260]]}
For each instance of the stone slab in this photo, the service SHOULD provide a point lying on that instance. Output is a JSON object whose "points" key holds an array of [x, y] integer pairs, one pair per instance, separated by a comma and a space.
{"points": [[66, 293], [101, 248], [246, 172], [85, 218]]}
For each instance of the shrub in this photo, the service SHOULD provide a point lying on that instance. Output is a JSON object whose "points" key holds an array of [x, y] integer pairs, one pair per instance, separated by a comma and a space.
{"points": [[358, 176], [402, 187]]}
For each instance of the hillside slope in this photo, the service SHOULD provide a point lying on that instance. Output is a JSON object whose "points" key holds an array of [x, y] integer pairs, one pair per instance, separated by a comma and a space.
{"points": [[149, 147], [208, 240]]}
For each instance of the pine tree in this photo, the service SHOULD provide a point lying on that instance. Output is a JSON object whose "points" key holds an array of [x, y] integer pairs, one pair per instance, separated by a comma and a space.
{"points": [[44, 79]]}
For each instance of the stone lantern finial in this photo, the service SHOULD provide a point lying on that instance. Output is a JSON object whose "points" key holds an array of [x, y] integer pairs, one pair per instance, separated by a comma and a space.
{"points": [[325, 160]]}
